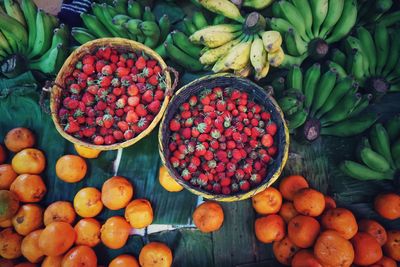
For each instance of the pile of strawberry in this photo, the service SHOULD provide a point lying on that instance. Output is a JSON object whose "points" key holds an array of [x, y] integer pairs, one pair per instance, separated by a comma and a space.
{"points": [[111, 96], [222, 141]]}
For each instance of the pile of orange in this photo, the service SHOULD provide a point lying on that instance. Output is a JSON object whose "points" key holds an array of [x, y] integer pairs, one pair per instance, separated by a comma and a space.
{"points": [[308, 230], [50, 235]]}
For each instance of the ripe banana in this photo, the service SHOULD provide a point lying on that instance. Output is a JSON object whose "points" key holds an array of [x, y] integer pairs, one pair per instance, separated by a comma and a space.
{"points": [[223, 7], [263, 72], [211, 56], [258, 55], [272, 40], [276, 58], [239, 56], [214, 36]]}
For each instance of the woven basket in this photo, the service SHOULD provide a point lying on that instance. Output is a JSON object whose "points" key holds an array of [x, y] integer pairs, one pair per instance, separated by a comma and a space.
{"points": [[69, 66], [255, 91]]}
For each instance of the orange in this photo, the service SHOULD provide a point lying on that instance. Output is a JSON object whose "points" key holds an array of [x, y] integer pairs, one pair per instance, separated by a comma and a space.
{"points": [[52, 261], [373, 228], [330, 203], [309, 202], [392, 245], [268, 201], [139, 213], [57, 238], [30, 247], [26, 264], [18, 139], [288, 211], [269, 228], [87, 152], [59, 211], [6, 223], [291, 184], [167, 181], [87, 232], [87, 202], [340, 220], [80, 256], [332, 250], [124, 261], [10, 244], [9, 204], [388, 206], [385, 262], [305, 258], [284, 250], [28, 218], [3, 154], [29, 160], [303, 231], [116, 193], [115, 232], [208, 217], [6, 263], [71, 168], [155, 254], [29, 187], [366, 249], [7, 176]]}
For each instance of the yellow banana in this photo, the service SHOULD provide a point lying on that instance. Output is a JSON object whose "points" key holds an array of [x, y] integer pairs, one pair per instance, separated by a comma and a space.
{"points": [[245, 72], [276, 58], [264, 71], [257, 4], [223, 7], [219, 66], [272, 40], [258, 55], [239, 56], [217, 35], [212, 55]]}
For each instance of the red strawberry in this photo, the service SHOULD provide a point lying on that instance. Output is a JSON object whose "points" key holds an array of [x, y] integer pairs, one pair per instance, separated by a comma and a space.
{"points": [[111, 98], [157, 69], [119, 112], [255, 178], [216, 188], [174, 161], [208, 155], [109, 140], [271, 128], [153, 80], [133, 101], [151, 63], [105, 81], [98, 140], [267, 140], [186, 175], [123, 125], [265, 116], [159, 95], [272, 151], [88, 59], [75, 88], [200, 150], [70, 103], [174, 125], [225, 181], [147, 97], [221, 155], [186, 133], [195, 132], [235, 94], [72, 127], [121, 72], [89, 132], [196, 161], [92, 89], [88, 99], [205, 100], [106, 70], [128, 134], [244, 185], [88, 69], [193, 100], [221, 105], [140, 63], [133, 90], [118, 135], [204, 128], [236, 154], [131, 117], [141, 110]]}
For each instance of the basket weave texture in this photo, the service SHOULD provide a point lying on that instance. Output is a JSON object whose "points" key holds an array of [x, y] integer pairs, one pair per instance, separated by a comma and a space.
{"points": [[68, 67], [255, 92]]}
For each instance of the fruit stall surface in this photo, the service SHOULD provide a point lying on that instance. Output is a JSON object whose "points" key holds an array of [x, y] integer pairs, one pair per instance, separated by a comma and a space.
{"points": [[328, 139]]}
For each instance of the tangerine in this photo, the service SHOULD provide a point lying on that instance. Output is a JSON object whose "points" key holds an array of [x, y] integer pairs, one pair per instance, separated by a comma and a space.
{"points": [[18, 139], [7, 176], [3, 154], [167, 181], [10, 244], [303, 231], [28, 218], [124, 261], [330, 203], [268, 201], [87, 152], [71, 168], [6, 223], [269, 228], [284, 251], [291, 184], [341, 220], [116, 193], [388, 206], [385, 262], [155, 254], [288, 211], [87, 202], [29, 160], [52, 261], [30, 247], [59, 211], [87, 232], [80, 256], [29, 188], [305, 258], [6, 263], [309, 202], [373, 228], [139, 213], [366, 249], [56, 238], [9, 204], [115, 232], [208, 217], [392, 245]]}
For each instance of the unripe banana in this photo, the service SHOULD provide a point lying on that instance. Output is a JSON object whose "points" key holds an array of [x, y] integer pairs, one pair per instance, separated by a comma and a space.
{"points": [[396, 153], [380, 142], [258, 55], [272, 41], [351, 126], [392, 127], [362, 172], [257, 4], [298, 119], [374, 160]]}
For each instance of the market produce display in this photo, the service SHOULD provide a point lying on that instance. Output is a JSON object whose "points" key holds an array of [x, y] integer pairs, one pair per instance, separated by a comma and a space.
{"points": [[30, 39]]}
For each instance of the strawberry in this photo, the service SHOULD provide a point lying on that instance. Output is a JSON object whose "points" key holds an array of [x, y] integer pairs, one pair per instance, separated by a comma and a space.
{"points": [[121, 72], [128, 134], [154, 107], [216, 188], [114, 58], [121, 102], [157, 69], [204, 128], [147, 97], [133, 101], [106, 70], [186, 175], [98, 140], [225, 181], [200, 150], [72, 127], [143, 123], [111, 98], [140, 63], [118, 135], [159, 95], [88, 69], [221, 105], [221, 155], [105, 81], [195, 160], [186, 133], [109, 140], [89, 131], [75, 88], [123, 125], [271, 128], [153, 80], [236, 154], [126, 80], [208, 155], [235, 94], [151, 63], [133, 90], [267, 140], [203, 179], [265, 116], [131, 117], [244, 185], [108, 121], [88, 59], [174, 125], [141, 110], [92, 89], [272, 151], [255, 178]]}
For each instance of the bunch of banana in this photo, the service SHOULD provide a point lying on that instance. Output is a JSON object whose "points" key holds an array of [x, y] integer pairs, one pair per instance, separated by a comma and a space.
{"points": [[319, 103], [254, 4], [242, 48], [372, 11], [125, 19], [29, 34], [310, 26], [372, 58], [378, 154]]}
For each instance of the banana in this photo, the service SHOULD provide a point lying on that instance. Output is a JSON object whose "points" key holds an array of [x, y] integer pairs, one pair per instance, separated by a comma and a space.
{"points": [[211, 56], [390, 19], [134, 9], [4, 45], [97, 11], [392, 127], [148, 15], [362, 172], [339, 69], [149, 28], [108, 16], [395, 53], [245, 72], [394, 87], [380, 142], [358, 67], [133, 26], [151, 41], [272, 40], [120, 19], [223, 7], [81, 35], [310, 82], [368, 47], [297, 119], [10, 38], [295, 78], [218, 19], [165, 26], [182, 58], [121, 6], [183, 43], [13, 9], [214, 36], [278, 85], [345, 23], [15, 31], [325, 86], [342, 110], [29, 9], [304, 9], [361, 106], [319, 9], [257, 4], [258, 55], [276, 58], [290, 44], [292, 15], [351, 126], [381, 38], [374, 161], [288, 102], [239, 56], [199, 20], [263, 73], [335, 9], [189, 26], [396, 153], [219, 66], [301, 45], [338, 57], [279, 24], [46, 64], [293, 60], [95, 26]]}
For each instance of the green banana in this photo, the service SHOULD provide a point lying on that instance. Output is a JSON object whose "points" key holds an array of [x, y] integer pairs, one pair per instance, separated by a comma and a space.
{"points": [[199, 20], [364, 143], [133, 26], [292, 15], [319, 9], [223, 7], [279, 24], [4, 45], [183, 43], [374, 161], [381, 37], [345, 23], [342, 110], [368, 47], [13, 29], [181, 57], [297, 119], [380, 142], [189, 26], [120, 6], [362, 172], [165, 26], [396, 153], [148, 15], [361, 106], [46, 64], [10, 38], [108, 16], [41, 35], [390, 19], [288, 102], [95, 26], [339, 69], [358, 67], [338, 57], [301, 45], [310, 82], [394, 55], [98, 12], [304, 9], [290, 44], [82, 35], [257, 4], [29, 9], [295, 78], [134, 9], [351, 126], [149, 28], [335, 9], [325, 86], [120, 19], [13, 9], [218, 19], [392, 127]]}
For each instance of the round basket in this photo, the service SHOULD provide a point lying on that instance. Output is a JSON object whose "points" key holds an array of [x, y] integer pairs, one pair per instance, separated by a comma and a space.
{"points": [[69, 66], [257, 93]]}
